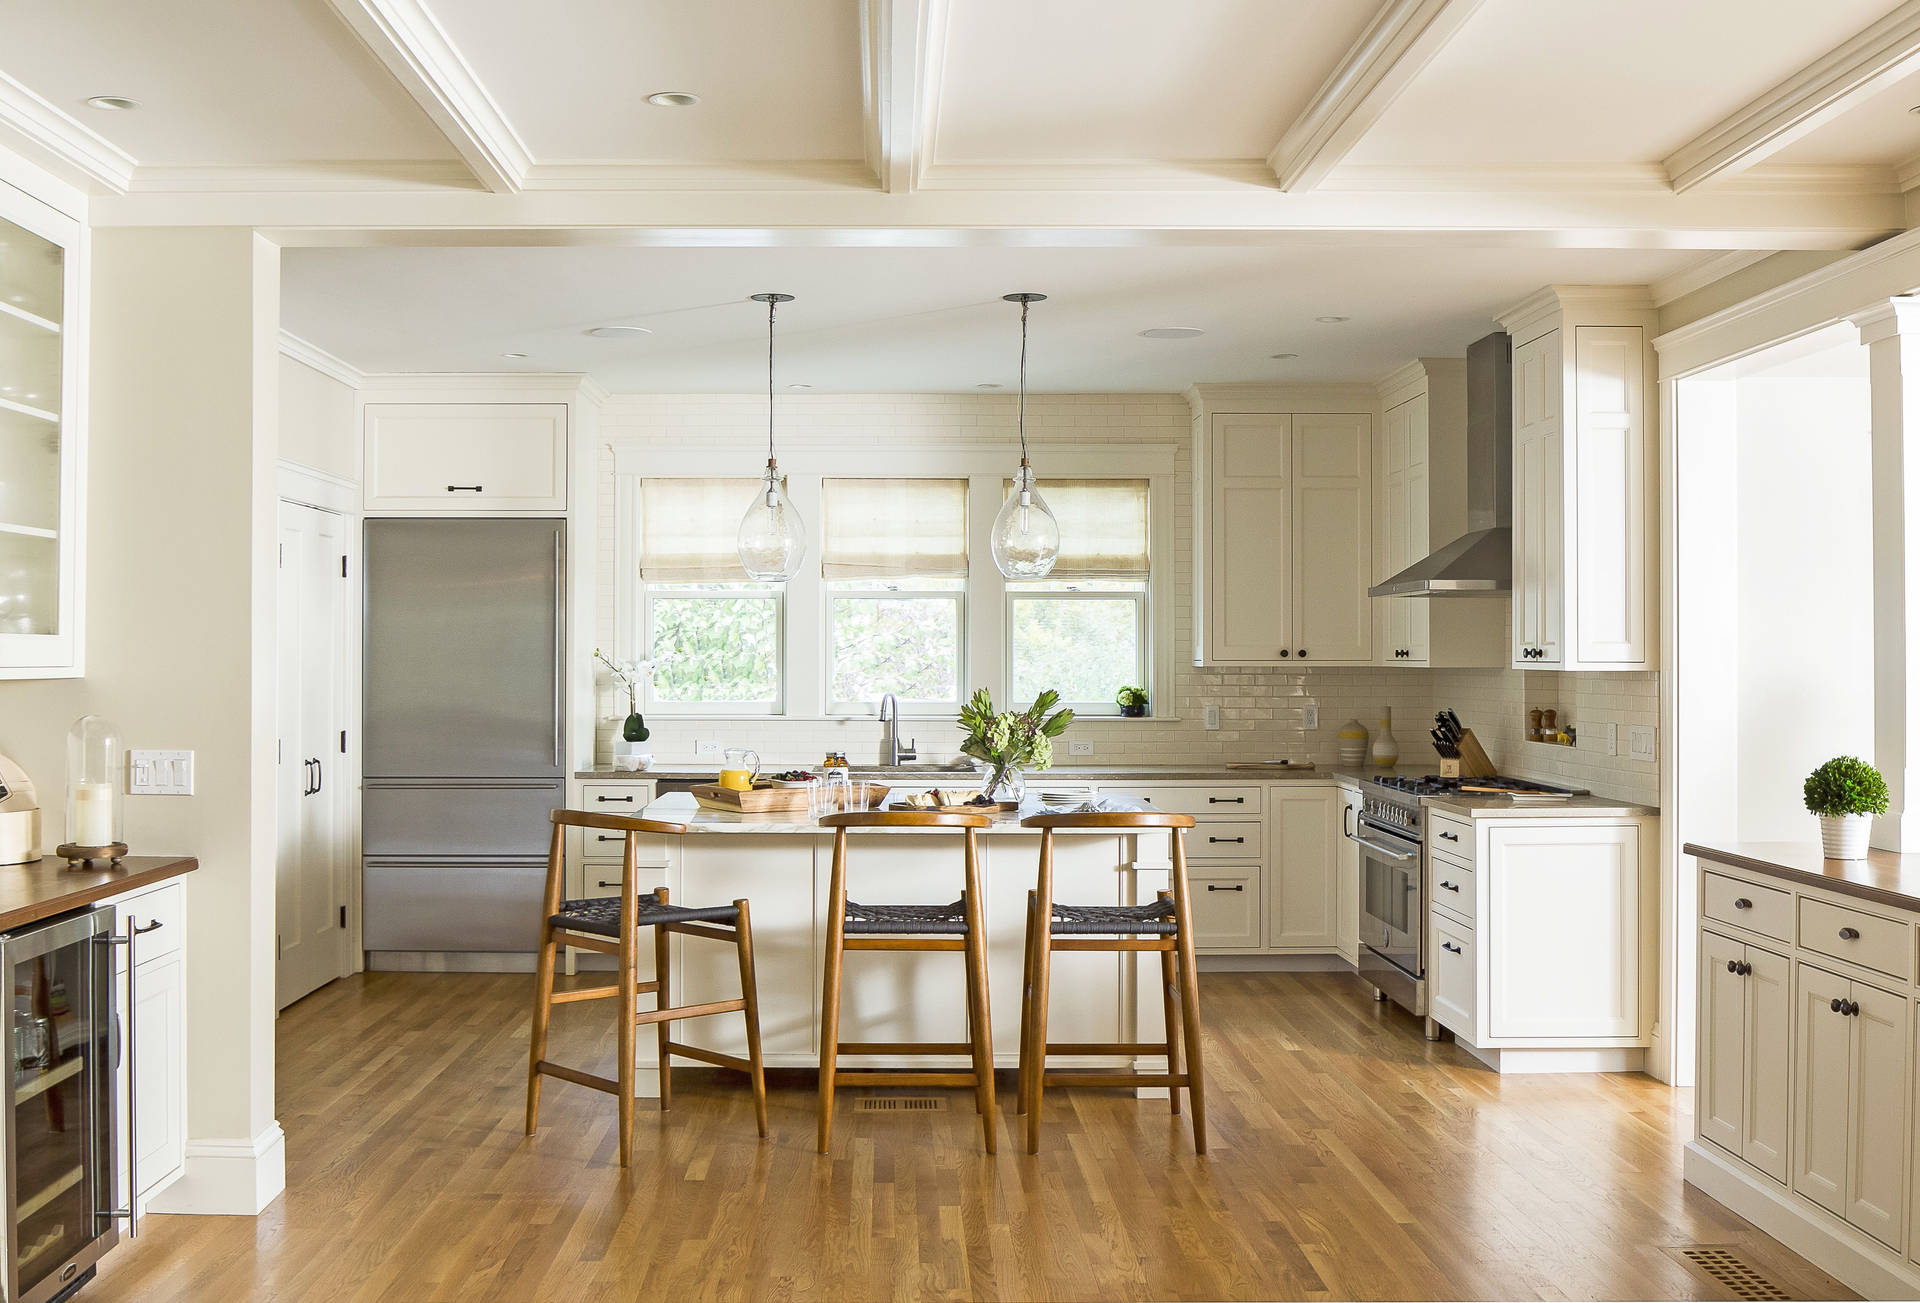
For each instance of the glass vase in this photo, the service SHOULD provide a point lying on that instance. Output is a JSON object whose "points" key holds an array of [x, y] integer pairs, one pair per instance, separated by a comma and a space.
{"points": [[1003, 782]]}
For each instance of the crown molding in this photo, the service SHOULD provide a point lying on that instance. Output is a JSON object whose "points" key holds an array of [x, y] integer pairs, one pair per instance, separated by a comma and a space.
{"points": [[1601, 178], [1127, 175], [823, 174], [902, 63], [60, 135], [327, 364], [405, 38], [1713, 267], [1402, 39], [301, 178], [1822, 90]]}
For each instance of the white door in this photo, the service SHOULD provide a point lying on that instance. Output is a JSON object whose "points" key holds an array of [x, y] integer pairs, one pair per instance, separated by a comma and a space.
{"points": [[1876, 1188], [1564, 947], [1303, 823], [1332, 539], [1250, 540], [1821, 1059], [158, 1097], [1720, 1093], [1768, 1104], [311, 895], [1610, 470]]}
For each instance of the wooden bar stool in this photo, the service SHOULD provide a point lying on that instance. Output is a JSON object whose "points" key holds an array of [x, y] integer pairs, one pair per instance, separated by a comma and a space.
{"points": [[611, 926], [956, 927], [1164, 924]]}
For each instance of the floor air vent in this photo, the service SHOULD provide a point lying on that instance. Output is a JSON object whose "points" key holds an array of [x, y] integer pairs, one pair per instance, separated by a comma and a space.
{"points": [[1727, 1267], [928, 1104]]}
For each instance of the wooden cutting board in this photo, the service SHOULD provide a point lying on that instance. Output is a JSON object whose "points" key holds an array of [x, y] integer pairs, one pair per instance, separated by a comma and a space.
{"points": [[767, 800], [1274, 766]]}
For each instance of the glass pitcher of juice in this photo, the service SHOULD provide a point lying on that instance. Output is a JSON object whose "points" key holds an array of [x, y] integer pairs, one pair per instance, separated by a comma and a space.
{"points": [[741, 768]]}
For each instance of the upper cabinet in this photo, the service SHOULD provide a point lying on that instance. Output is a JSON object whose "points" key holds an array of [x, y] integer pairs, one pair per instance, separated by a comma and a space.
{"points": [[43, 333], [466, 457], [1420, 504], [1284, 535], [1583, 490]]}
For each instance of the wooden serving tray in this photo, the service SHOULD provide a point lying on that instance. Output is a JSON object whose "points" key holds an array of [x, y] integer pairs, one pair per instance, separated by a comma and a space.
{"points": [[767, 800]]}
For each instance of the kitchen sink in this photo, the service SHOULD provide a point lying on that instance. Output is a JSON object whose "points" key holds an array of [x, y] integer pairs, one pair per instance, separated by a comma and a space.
{"points": [[915, 769]]}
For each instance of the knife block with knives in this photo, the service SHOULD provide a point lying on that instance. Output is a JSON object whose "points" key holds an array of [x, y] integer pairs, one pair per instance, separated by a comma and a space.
{"points": [[1461, 755]]}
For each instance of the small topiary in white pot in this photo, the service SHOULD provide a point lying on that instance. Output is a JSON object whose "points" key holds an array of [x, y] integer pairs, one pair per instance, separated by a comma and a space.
{"points": [[1846, 793]]}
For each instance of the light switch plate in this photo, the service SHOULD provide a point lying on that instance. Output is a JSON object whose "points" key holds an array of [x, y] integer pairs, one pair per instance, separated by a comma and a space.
{"points": [[1641, 743], [707, 746], [1079, 747], [1210, 716], [160, 773], [1310, 716]]}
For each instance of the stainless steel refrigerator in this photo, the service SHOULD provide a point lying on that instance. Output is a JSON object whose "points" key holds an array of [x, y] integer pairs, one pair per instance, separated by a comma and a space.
{"points": [[464, 740]]}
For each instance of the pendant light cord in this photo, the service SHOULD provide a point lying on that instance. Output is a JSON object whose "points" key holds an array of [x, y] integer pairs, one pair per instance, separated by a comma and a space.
{"points": [[771, 308], [1023, 381]]}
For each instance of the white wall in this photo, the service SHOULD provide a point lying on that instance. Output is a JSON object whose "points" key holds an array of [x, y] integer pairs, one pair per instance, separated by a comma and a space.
{"points": [[180, 534], [317, 426]]}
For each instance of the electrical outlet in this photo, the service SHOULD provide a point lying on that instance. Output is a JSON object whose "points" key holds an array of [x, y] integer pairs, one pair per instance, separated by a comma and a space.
{"points": [[1613, 739], [160, 773], [1210, 717], [1310, 716], [1641, 744], [707, 746], [1079, 746]]}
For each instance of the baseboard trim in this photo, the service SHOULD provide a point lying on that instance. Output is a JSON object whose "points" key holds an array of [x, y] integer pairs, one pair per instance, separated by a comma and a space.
{"points": [[449, 961], [1856, 1259], [1516, 1063], [228, 1178], [1327, 963]]}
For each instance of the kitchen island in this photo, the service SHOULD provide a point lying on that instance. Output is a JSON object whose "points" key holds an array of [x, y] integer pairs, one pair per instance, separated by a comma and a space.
{"points": [[781, 864]]}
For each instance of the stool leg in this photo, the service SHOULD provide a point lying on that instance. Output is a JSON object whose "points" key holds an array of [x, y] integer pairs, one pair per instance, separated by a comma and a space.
{"points": [[1042, 975], [1189, 995], [629, 998], [830, 985], [981, 1033], [967, 1034], [1026, 1005], [750, 992], [542, 1017], [1170, 1017], [662, 962]]}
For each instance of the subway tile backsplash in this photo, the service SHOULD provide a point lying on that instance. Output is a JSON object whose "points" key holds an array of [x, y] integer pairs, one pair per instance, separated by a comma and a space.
{"points": [[1261, 710]]}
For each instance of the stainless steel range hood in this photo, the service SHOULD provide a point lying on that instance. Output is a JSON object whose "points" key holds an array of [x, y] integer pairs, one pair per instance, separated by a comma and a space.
{"points": [[1480, 561]]}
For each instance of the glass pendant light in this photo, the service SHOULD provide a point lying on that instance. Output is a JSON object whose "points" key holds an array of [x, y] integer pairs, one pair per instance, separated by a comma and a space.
{"points": [[772, 540], [1026, 537]]}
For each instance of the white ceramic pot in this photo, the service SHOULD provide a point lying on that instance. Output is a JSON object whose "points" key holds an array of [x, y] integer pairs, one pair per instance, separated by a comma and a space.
{"points": [[1844, 837], [632, 756]]}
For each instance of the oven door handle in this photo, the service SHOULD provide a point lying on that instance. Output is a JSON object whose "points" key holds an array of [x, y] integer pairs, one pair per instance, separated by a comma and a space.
{"points": [[1388, 851]]}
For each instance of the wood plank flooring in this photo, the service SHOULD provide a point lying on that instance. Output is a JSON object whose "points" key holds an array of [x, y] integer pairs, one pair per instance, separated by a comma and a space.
{"points": [[1350, 1159]]}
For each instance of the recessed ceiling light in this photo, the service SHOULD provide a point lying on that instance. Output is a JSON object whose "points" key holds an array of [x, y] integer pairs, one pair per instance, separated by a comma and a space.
{"points": [[673, 99], [1914, 109], [514, 356], [112, 103], [1331, 321], [618, 332], [799, 386], [989, 386], [1283, 357], [1172, 332]]}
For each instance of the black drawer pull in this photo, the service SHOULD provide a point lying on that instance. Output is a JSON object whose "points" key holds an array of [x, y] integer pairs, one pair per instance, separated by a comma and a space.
{"points": [[1448, 945], [1238, 886], [627, 799], [1451, 886], [1849, 934], [465, 488], [607, 885], [1217, 840], [1449, 836], [1226, 800], [603, 837], [1743, 903]]}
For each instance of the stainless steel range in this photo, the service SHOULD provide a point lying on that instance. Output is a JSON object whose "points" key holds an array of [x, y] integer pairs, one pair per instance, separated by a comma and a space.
{"points": [[1394, 883]]}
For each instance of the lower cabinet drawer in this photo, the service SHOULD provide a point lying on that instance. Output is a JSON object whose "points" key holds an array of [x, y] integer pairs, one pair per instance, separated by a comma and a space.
{"points": [[1453, 836], [1450, 978], [1225, 839], [1453, 888], [1744, 904], [160, 915], [602, 877], [1882, 944], [598, 843], [1226, 802], [1226, 910], [624, 797]]}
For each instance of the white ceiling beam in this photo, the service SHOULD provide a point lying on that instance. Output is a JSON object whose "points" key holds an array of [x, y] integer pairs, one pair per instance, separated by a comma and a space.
{"points": [[64, 140], [1837, 81], [404, 37], [903, 48], [1401, 40]]}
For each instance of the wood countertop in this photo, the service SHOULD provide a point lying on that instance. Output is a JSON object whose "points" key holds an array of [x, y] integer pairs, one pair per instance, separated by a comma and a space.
{"points": [[31, 892], [1886, 877]]}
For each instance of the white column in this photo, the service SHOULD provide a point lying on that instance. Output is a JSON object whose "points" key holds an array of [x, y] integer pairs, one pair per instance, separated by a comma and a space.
{"points": [[1891, 331]]}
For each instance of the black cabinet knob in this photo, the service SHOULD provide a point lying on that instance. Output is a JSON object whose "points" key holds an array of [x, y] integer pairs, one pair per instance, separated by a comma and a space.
{"points": [[1284, 653], [1849, 934], [1853, 1008], [1745, 968], [1733, 965], [1743, 903], [1837, 1005], [1303, 653]]}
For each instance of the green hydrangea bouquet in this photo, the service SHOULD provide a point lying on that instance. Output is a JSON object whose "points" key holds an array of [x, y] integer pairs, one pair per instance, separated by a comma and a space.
{"points": [[1013, 740]]}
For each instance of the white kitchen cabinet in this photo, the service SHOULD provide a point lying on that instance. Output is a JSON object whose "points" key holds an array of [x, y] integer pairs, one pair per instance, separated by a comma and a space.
{"points": [[153, 1075], [1453, 978], [1852, 1050], [1584, 588], [1303, 825], [1284, 538], [1226, 908], [43, 343], [1346, 886], [465, 457], [1745, 1087]]}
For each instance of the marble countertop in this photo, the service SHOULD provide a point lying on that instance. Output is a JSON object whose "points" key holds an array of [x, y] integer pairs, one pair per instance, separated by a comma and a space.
{"points": [[1887, 877], [680, 807], [1501, 807]]}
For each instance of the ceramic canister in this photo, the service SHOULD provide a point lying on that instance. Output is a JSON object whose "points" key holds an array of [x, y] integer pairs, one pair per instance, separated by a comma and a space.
{"points": [[1350, 743]]}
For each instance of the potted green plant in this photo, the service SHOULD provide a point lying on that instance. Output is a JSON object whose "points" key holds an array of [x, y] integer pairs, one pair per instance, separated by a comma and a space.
{"points": [[630, 749], [1846, 793], [1132, 702], [1009, 742]]}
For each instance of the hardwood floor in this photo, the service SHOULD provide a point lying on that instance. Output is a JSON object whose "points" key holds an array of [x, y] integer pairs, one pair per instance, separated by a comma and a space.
{"points": [[1350, 1159]]}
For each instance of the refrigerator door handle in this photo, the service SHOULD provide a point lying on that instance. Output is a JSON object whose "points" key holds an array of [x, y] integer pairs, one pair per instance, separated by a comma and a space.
{"points": [[559, 627]]}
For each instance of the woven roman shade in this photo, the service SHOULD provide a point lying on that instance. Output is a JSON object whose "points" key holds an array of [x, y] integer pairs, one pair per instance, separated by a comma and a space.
{"points": [[894, 529], [690, 530], [1103, 527]]}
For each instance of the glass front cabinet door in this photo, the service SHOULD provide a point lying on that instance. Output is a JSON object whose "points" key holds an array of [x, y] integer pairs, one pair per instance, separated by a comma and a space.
{"points": [[42, 346]]}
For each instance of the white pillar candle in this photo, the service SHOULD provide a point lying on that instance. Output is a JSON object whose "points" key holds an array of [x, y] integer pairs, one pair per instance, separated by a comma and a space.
{"points": [[93, 815]]}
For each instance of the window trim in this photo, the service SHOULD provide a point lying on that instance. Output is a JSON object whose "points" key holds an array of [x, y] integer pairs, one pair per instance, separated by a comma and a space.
{"points": [[837, 709], [775, 596], [1142, 600]]}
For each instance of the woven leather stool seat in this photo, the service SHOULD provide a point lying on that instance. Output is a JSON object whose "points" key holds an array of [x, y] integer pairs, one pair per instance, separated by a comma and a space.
{"points": [[1155, 918], [601, 915], [908, 920]]}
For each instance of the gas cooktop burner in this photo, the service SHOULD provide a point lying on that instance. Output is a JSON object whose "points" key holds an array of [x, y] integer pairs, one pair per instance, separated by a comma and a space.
{"points": [[1435, 785]]}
